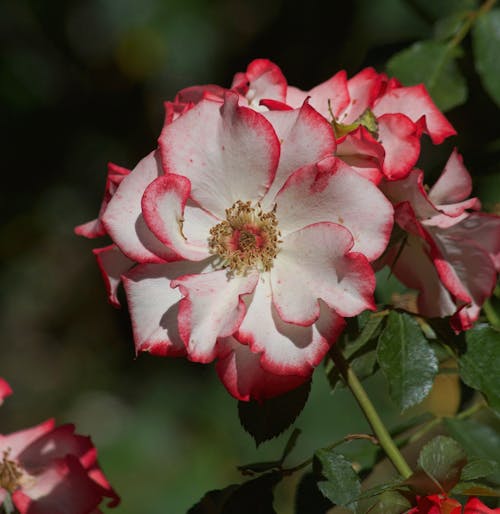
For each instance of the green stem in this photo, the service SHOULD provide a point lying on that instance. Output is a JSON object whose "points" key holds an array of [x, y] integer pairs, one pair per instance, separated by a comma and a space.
{"points": [[471, 18], [379, 429]]}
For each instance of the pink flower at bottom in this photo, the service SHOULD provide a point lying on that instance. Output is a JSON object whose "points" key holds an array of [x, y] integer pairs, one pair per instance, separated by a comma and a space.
{"points": [[51, 470]]}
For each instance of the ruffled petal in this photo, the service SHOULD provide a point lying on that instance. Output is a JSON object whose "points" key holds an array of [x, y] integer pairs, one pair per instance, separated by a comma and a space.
{"points": [[113, 263], [363, 90], [315, 263], [95, 228], [411, 189], [414, 268], [262, 80], [123, 217], [363, 154], [331, 191], [61, 487], [228, 154], [416, 103], [287, 349], [212, 307], [154, 306], [400, 138], [244, 377], [305, 136], [452, 188], [163, 207]]}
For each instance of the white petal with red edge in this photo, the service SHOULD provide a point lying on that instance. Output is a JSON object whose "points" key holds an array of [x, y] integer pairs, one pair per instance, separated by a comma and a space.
{"points": [[329, 97], [363, 154], [212, 307], [305, 136], [123, 216], [466, 263], [363, 89], [287, 349], [228, 154], [163, 207], [314, 263], [332, 191], [243, 376], [411, 189], [400, 138], [154, 306], [113, 263], [262, 80], [416, 103]]}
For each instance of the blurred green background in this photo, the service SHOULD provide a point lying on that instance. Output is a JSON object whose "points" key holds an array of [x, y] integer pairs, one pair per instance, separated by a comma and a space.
{"points": [[82, 83]]}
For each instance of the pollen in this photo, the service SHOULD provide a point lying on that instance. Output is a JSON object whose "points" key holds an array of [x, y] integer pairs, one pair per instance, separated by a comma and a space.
{"points": [[247, 239], [10, 473]]}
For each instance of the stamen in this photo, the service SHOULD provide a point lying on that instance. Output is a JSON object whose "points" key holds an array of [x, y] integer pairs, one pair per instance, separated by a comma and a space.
{"points": [[247, 239], [10, 473]]}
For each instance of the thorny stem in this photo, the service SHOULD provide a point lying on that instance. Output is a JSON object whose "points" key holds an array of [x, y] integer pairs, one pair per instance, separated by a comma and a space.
{"points": [[346, 439], [381, 432]]}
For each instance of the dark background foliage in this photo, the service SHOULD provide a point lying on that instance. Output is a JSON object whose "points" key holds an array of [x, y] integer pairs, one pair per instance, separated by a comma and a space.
{"points": [[82, 83]]}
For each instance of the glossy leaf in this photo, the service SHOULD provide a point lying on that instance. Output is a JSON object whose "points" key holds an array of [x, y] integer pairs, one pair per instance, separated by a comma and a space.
{"points": [[342, 485], [269, 418], [486, 44], [480, 365], [406, 359], [440, 465], [434, 64]]}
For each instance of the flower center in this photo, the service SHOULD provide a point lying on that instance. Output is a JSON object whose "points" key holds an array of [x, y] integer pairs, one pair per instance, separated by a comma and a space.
{"points": [[248, 238], [10, 473]]}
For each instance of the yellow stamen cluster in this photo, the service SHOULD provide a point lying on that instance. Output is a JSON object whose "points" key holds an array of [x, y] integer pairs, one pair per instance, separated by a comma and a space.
{"points": [[10, 474], [247, 239]]}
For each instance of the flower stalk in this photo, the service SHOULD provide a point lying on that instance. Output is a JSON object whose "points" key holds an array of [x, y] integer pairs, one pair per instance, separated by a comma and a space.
{"points": [[384, 438]]}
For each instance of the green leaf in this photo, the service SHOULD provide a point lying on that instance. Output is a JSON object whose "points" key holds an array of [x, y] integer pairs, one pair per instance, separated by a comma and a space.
{"points": [[477, 439], [390, 502], [440, 465], [342, 485], [434, 64], [359, 351], [473, 489], [406, 359], [486, 44], [269, 418], [248, 498], [480, 365], [308, 498], [445, 28], [478, 468]]}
